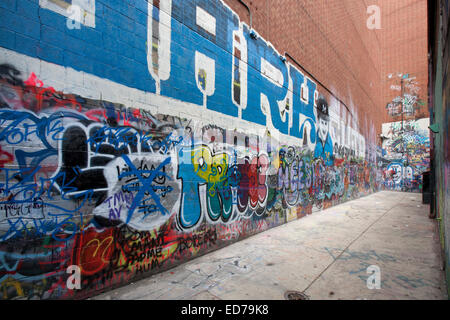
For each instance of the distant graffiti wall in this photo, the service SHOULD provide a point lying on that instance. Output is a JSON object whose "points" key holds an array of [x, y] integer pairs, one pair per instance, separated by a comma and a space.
{"points": [[200, 136], [407, 151]]}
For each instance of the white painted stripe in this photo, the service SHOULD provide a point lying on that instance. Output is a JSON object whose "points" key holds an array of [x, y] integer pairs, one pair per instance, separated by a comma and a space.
{"points": [[70, 81]]}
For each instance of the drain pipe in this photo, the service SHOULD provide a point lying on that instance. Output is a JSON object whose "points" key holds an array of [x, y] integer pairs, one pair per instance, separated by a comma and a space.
{"points": [[252, 33], [314, 78]]}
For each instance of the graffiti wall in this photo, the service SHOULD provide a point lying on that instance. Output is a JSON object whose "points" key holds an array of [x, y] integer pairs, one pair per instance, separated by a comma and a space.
{"points": [[441, 113], [406, 154], [200, 136]]}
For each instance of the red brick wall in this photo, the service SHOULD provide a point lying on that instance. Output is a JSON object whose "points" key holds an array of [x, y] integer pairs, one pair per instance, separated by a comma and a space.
{"points": [[404, 46], [330, 39]]}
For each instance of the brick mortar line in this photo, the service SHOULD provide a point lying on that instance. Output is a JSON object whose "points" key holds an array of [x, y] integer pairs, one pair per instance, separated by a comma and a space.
{"points": [[353, 241]]}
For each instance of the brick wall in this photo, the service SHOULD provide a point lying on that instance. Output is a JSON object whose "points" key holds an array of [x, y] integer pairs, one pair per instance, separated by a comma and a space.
{"points": [[404, 49], [330, 39]]}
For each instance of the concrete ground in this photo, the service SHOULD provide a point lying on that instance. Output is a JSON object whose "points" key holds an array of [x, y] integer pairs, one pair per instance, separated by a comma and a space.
{"points": [[324, 255]]}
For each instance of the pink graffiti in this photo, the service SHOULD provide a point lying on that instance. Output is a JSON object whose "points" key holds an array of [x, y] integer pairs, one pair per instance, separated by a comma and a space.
{"points": [[257, 180]]}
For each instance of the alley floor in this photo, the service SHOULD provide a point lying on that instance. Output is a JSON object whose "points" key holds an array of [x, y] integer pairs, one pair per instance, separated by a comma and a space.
{"points": [[325, 255]]}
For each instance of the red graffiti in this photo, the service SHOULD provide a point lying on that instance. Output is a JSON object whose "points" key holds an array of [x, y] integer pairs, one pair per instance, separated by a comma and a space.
{"points": [[5, 157], [37, 97], [257, 180], [95, 114], [94, 250], [34, 81]]}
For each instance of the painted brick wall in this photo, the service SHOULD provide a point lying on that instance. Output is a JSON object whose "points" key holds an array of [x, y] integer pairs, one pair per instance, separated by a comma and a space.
{"points": [[404, 48], [136, 135], [406, 154], [443, 118], [439, 50], [330, 39]]}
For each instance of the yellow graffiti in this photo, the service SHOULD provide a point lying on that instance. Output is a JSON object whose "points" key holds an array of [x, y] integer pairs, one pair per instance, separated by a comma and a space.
{"points": [[11, 282], [99, 245], [291, 214], [167, 250], [212, 169]]}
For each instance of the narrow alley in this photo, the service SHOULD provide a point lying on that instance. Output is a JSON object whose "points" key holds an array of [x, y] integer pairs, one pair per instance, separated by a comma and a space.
{"points": [[325, 255]]}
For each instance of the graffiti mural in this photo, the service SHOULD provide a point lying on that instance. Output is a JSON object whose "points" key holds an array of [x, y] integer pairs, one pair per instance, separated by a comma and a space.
{"points": [[409, 102], [134, 173], [407, 154], [120, 192]]}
